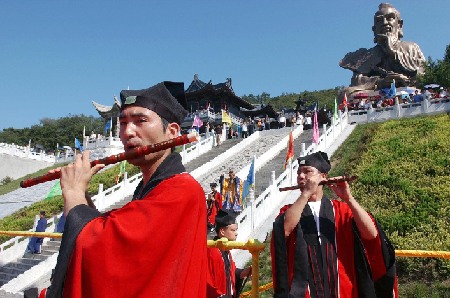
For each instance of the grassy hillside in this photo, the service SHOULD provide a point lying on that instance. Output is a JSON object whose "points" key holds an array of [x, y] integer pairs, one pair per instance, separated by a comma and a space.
{"points": [[404, 180]]}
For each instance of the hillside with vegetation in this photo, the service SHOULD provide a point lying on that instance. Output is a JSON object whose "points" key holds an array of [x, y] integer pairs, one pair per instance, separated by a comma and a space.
{"points": [[286, 101]]}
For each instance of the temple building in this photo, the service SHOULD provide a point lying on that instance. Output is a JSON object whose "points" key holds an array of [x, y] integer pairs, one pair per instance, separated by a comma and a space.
{"points": [[201, 95], [109, 113], [206, 100]]}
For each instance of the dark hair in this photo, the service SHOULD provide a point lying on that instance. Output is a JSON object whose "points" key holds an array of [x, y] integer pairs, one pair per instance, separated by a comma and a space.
{"points": [[165, 123]]}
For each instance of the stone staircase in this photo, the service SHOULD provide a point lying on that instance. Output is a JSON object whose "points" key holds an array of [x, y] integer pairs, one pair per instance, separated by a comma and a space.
{"points": [[263, 177], [28, 260], [13, 269], [211, 154], [119, 204], [261, 145]]}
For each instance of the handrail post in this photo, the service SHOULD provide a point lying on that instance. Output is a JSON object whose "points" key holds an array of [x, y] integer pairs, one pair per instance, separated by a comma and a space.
{"points": [[101, 197], [255, 273]]}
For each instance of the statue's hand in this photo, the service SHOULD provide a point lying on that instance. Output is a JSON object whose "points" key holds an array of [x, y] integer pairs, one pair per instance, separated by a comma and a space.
{"points": [[398, 77], [387, 43]]}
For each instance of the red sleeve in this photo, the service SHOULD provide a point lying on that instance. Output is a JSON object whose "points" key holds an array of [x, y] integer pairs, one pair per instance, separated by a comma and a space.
{"points": [[344, 218], [43, 293], [219, 199], [216, 274], [154, 247], [375, 255], [290, 245]]}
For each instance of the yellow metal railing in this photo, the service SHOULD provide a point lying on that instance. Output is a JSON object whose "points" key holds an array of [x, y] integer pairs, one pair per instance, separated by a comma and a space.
{"points": [[31, 234], [422, 254], [398, 253], [255, 248]]}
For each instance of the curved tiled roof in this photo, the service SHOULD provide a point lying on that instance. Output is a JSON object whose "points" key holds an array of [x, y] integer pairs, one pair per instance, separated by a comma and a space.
{"points": [[199, 90], [107, 112]]}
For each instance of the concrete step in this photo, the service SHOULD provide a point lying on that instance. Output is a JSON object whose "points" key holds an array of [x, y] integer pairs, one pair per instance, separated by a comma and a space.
{"points": [[264, 175], [6, 277], [51, 245], [13, 270], [32, 259], [18, 265], [260, 146], [211, 154], [119, 204], [46, 252]]}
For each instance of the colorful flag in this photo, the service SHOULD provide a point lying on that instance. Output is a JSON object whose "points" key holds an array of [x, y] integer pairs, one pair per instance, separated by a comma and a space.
{"points": [[392, 91], [344, 102], [78, 145], [108, 126], [250, 181], [251, 173], [290, 151], [121, 170], [315, 137], [197, 122], [226, 118], [54, 191], [335, 113]]}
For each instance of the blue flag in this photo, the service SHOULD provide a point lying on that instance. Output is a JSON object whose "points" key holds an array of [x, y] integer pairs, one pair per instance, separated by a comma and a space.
{"points": [[108, 126], [250, 181], [78, 145], [392, 90], [251, 173]]}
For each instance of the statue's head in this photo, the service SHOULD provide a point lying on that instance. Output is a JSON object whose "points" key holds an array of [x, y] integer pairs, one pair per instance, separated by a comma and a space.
{"points": [[387, 21]]}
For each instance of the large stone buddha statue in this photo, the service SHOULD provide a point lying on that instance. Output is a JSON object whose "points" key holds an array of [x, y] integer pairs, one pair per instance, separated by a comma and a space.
{"points": [[390, 59]]}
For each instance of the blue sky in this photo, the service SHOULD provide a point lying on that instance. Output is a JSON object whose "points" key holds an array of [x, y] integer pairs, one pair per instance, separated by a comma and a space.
{"points": [[56, 57]]}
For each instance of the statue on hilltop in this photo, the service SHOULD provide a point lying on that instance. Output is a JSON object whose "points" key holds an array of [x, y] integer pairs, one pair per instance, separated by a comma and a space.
{"points": [[391, 58]]}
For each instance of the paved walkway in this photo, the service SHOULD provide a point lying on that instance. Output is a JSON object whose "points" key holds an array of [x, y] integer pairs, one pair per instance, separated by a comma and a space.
{"points": [[22, 197]]}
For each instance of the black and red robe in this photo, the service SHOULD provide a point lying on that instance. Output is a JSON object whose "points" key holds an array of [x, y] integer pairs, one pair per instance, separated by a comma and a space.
{"points": [[340, 264], [223, 276]]}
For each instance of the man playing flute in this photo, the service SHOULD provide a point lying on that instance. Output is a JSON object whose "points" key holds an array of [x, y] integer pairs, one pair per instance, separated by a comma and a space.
{"points": [[154, 246], [329, 248]]}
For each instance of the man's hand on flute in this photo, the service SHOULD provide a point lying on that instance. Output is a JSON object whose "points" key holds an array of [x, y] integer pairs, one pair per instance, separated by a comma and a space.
{"points": [[75, 179]]}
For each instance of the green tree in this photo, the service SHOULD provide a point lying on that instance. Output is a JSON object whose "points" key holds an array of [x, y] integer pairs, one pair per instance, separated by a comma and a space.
{"points": [[50, 132], [436, 71]]}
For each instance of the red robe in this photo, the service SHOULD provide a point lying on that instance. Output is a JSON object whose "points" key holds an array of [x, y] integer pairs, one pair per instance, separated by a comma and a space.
{"points": [[43, 293], [214, 207], [217, 280], [359, 269], [154, 246], [114, 255]]}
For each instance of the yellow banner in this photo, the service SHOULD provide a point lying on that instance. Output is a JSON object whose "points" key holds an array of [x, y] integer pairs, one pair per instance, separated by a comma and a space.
{"points": [[226, 118]]}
